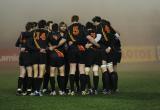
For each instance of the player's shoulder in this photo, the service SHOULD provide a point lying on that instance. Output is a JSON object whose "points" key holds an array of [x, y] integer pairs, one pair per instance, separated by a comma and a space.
{"points": [[26, 33]]}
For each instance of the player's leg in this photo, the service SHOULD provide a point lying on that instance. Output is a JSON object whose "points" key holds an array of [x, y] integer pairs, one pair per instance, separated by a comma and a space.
{"points": [[52, 80], [62, 79], [22, 72], [113, 76], [72, 76], [88, 63], [82, 78], [77, 79], [95, 78], [58, 78], [41, 74], [41, 71], [47, 74], [66, 74], [30, 78], [35, 77], [46, 79], [88, 82], [106, 77]]}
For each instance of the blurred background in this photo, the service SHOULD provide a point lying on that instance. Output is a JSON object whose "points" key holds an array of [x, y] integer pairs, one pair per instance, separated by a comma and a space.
{"points": [[138, 22]]}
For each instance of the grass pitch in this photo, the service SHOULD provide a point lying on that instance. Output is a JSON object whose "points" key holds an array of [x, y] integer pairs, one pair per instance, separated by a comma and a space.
{"points": [[139, 90]]}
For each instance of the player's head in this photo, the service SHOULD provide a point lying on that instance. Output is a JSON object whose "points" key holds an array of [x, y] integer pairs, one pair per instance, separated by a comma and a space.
{"points": [[55, 27], [62, 26], [90, 26], [42, 24], [34, 25], [91, 29], [106, 22], [75, 18], [28, 26], [96, 20], [49, 25], [106, 26]]}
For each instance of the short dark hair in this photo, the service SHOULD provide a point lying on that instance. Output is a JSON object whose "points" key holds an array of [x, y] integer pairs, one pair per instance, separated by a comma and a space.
{"points": [[55, 27], [103, 21], [90, 25], [75, 18], [28, 26], [62, 23], [49, 22], [96, 19], [42, 23]]}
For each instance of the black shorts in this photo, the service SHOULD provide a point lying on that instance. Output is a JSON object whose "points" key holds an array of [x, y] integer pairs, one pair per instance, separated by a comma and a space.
{"points": [[108, 57], [117, 57], [39, 58], [76, 56], [92, 57], [25, 59], [55, 60]]}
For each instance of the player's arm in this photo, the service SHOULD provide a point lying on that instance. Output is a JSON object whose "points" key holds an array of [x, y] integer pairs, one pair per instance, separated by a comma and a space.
{"points": [[111, 44], [92, 40], [61, 42], [18, 43], [98, 37]]}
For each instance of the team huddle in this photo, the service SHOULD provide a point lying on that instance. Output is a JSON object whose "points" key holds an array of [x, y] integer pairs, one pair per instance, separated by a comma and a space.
{"points": [[51, 52]]}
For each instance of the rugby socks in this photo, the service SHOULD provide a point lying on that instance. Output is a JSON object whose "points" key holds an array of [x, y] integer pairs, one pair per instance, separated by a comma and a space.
{"points": [[52, 82], [34, 84], [83, 81], [20, 82], [62, 83], [95, 81], [29, 83], [77, 78], [103, 81], [113, 81], [58, 80], [72, 82], [40, 80], [107, 81], [88, 82], [46, 81], [25, 83], [66, 81], [116, 75]]}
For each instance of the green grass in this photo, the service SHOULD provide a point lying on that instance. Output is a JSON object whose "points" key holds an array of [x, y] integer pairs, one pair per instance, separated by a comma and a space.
{"points": [[138, 91]]}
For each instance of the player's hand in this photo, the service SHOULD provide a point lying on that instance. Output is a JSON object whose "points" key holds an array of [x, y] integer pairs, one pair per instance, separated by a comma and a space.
{"points": [[42, 50], [88, 45], [50, 48], [70, 43], [108, 49], [22, 49], [54, 47], [81, 48]]}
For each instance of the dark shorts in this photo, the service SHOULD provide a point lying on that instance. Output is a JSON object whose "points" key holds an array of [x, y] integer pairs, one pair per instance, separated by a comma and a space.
{"points": [[117, 57], [108, 57], [75, 56], [25, 59], [92, 57], [55, 60], [39, 58]]}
